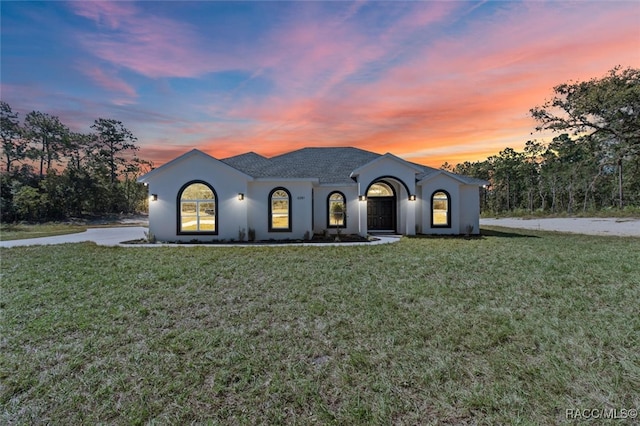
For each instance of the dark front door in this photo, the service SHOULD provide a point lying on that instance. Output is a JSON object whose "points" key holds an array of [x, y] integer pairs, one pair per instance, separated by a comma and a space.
{"points": [[381, 213]]}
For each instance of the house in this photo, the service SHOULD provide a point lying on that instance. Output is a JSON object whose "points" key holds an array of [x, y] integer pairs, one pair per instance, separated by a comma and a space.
{"points": [[311, 190]]}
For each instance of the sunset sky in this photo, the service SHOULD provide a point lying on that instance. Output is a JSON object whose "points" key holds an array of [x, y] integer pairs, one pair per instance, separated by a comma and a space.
{"points": [[428, 81]]}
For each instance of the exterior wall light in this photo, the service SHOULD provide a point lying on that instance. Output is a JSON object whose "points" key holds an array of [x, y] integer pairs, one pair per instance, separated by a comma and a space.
{"points": [[412, 197], [240, 196], [362, 197], [154, 197]]}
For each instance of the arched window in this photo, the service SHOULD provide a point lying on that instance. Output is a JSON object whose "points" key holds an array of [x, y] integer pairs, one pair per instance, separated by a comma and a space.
{"points": [[197, 209], [279, 210], [336, 210], [440, 209], [380, 189]]}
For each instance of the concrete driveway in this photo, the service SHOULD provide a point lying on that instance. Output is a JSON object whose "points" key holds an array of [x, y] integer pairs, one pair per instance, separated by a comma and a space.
{"points": [[101, 236], [627, 227]]}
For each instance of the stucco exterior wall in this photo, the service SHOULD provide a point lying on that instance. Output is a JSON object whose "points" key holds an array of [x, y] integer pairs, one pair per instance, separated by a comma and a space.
{"points": [[469, 208], [418, 211], [398, 174], [258, 208], [227, 183], [320, 209], [386, 167], [427, 188]]}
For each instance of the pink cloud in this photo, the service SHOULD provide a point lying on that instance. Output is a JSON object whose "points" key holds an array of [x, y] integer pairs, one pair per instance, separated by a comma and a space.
{"points": [[313, 50], [153, 48], [150, 45], [109, 13], [400, 90], [112, 83], [487, 84], [310, 58], [313, 54]]}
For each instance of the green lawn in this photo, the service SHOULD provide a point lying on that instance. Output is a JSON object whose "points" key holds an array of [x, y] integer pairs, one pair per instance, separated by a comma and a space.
{"points": [[512, 328], [10, 231]]}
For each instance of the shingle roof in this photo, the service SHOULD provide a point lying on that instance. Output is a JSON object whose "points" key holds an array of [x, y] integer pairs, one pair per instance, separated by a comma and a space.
{"points": [[329, 165], [250, 163]]}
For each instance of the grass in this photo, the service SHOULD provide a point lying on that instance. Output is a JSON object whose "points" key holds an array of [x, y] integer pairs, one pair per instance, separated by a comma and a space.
{"points": [[21, 231], [512, 328]]}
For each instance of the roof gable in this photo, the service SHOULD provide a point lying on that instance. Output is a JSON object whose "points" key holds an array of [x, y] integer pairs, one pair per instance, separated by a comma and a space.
{"points": [[190, 155], [386, 157], [430, 173], [460, 178]]}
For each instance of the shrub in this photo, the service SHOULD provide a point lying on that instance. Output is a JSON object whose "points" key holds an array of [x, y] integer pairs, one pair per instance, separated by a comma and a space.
{"points": [[150, 237]]}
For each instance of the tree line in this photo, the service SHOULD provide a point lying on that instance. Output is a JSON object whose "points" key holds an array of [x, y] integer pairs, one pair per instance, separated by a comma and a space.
{"points": [[52, 173], [591, 164]]}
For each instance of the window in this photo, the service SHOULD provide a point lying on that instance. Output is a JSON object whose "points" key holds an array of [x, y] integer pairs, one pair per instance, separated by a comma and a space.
{"points": [[337, 210], [440, 211], [197, 209], [380, 189], [279, 210]]}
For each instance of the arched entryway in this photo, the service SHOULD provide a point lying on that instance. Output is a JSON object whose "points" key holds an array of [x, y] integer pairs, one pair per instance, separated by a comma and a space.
{"points": [[381, 207]]}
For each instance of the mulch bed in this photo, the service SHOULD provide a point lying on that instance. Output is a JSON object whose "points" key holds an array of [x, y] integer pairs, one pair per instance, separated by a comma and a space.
{"points": [[317, 238]]}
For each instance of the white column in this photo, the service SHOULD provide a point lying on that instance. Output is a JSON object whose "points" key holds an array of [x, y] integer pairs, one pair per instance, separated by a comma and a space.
{"points": [[410, 218], [362, 216]]}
